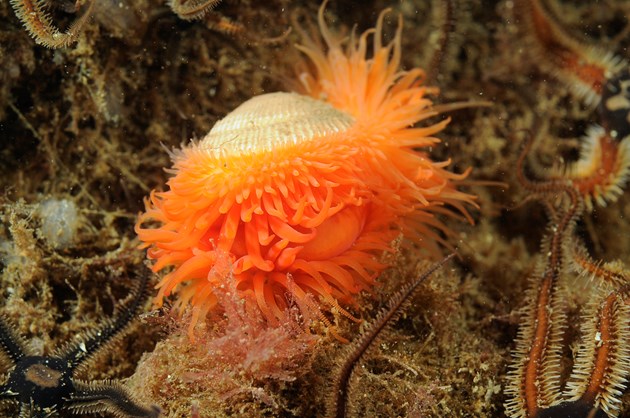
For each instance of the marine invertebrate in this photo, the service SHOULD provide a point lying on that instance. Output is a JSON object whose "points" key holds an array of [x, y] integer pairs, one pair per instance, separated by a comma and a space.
{"points": [[298, 194], [193, 9], [36, 18], [60, 221], [44, 386], [600, 370], [599, 78], [602, 367], [447, 16], [371, 336], [204, 10]]}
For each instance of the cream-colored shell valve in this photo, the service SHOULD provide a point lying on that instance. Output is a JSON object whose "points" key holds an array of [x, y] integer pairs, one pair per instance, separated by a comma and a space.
{"points": [[272, 121]]}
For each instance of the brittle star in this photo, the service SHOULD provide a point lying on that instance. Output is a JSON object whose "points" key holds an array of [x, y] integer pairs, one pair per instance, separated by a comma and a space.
{"points": [[45, 386], [600, 79], [602, 366]]}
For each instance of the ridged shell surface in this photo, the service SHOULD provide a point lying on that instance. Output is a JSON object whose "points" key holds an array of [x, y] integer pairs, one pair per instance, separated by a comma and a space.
{"points": [[272, 121]]}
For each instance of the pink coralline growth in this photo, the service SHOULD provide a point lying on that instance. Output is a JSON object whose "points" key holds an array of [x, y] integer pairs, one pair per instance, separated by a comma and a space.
{"points": [[239, 357]]}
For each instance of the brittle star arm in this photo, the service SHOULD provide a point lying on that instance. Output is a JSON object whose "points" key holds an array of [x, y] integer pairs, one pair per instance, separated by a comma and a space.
{"points": [[79, 352], [337, 403], [38, 23], [192, 9], [10, 343], [534, 380], [107, 396], [14, 349]]}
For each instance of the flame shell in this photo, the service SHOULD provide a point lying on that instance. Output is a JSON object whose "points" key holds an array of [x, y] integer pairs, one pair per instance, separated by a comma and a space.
{"points": [[295, 197]]}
